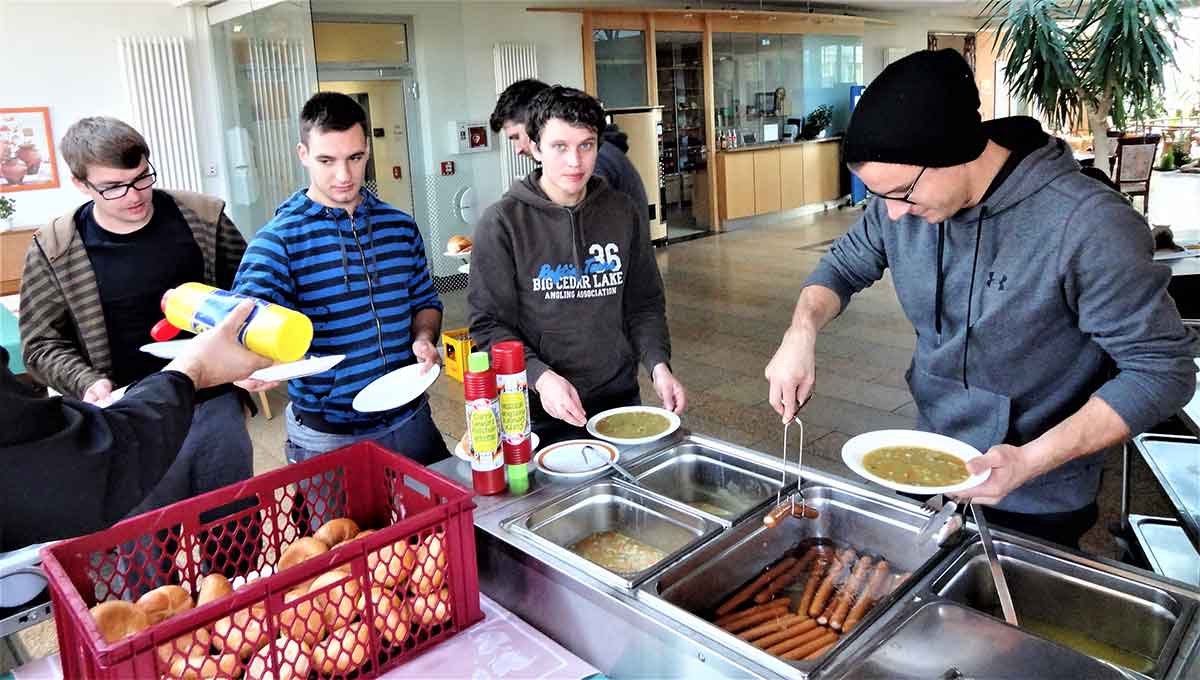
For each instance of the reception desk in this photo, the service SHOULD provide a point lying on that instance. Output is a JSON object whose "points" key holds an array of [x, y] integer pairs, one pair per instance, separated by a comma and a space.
{"points": [[769, 178]]}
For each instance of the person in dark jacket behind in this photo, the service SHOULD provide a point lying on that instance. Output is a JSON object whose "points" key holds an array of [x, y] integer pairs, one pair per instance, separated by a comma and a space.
{"points": [[561, 264], [512, 112], [72, 468], [1044, 332]]}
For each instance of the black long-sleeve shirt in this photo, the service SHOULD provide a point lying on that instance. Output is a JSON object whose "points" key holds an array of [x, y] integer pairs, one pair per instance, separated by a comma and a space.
{"points": [[70, 468]]}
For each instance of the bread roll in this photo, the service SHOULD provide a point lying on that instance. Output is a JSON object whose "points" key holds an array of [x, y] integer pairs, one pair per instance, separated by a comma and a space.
{"points": [[213, 587], [458, 244], [205, 667], [429, 574], [164, 602], [393, 616], [302, 622], [243, 633], [340, 604], [299, 551], [362, 534], [337, 530], [392, 565], [344, 650], [294, 661], [432, 608], [118, 619], [196, 643]]}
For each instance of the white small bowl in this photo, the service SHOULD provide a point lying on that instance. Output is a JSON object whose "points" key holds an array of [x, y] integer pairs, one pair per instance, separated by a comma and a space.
{"points": [[857, 447]]}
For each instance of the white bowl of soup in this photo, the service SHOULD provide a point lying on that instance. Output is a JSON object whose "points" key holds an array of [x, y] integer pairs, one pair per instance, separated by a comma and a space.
{"points": [[912, 461], [633, 425]]}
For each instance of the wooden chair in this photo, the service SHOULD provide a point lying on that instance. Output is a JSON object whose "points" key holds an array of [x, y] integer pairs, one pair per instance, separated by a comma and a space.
{"points": [[1135, 165]]}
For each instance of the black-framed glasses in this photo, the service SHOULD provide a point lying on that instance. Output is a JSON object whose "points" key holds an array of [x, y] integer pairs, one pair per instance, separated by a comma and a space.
{"points": [[141, 183], [907, 192]]}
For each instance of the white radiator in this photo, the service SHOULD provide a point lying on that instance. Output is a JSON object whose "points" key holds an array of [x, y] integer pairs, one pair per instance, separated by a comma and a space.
{"points": [[513, 61], [281, 80], [155, 71]]}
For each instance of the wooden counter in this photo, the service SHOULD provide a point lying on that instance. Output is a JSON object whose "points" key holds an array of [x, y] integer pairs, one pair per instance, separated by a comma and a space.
{"points": [[13, 245], [759, 180]]}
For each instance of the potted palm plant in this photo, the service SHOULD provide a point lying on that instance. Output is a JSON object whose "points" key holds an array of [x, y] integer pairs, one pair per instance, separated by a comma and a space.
{"points": [[1101, 59], [7, 208]]}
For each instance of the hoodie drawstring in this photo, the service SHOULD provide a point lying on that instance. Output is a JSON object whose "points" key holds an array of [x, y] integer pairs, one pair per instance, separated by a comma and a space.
{"points": [[971, 290], [937, 295]]}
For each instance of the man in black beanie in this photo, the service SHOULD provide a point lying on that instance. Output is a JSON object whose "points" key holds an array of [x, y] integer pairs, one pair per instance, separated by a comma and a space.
{"points": [[1045, 335]]}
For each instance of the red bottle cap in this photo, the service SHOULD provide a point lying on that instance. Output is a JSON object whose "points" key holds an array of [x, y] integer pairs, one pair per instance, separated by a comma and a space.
{"points": [[518, 454], [489, 482], [479, 385], [508, 357], [163, 331]]}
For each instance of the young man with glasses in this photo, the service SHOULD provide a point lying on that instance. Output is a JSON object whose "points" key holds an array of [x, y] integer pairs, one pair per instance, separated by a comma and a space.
{"points": [[1045, 334], [93, 281]]}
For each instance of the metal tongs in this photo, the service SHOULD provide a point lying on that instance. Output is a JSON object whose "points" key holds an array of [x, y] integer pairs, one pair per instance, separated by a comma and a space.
{"points": [[785, 507], [944, 523]]}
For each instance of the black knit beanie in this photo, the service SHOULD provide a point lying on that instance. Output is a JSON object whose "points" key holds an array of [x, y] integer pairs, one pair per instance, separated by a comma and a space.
{"points": [[922, 110]]}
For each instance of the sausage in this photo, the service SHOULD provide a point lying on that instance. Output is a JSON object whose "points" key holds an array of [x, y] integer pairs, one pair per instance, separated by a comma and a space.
{"points": [[879, 580], [805, 511], [777, 513], [786, 578], [756, 585], [825, 640], [810, 588], [821, 599], [846, 596], [772, 626], [777, 603], [752, 620], [820, 652], [788, 633], [827, 613], [797, 641]]}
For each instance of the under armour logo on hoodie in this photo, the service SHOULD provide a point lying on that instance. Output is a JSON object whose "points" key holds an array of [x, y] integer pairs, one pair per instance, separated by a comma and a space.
{"points": [[999, 284]]}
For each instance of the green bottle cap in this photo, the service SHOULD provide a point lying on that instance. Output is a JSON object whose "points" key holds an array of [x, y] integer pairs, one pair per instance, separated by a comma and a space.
{"points": [[478, 362], [518, 478]]}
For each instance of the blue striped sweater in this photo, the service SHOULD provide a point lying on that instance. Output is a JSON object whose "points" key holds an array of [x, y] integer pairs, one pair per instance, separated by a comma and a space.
{"points": [[316, 260]]}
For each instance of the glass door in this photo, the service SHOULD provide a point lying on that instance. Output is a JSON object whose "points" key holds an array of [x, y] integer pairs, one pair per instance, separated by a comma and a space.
{"points": [[263, 52], [684, 149]]}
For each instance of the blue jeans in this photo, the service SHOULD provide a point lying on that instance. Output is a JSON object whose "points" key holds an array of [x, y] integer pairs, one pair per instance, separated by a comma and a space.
{"points": [[415, 437]]}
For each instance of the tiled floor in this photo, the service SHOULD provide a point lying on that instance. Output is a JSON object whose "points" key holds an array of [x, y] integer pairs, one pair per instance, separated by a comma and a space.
{"points": [[730, 298]]}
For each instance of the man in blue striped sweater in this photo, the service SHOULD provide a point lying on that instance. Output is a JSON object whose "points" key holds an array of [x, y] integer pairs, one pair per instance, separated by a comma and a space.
{"points": [[356, 266]]}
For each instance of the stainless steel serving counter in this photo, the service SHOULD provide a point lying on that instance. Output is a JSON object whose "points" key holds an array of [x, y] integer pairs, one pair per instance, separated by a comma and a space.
{"points": [[938, 624]]}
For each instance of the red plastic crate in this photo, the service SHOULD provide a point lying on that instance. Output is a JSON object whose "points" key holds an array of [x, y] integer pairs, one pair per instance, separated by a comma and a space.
{"points": [[419, 567]]}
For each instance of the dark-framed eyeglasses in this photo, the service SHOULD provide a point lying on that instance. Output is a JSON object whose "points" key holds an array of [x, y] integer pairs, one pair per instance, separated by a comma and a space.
{"points": [[115, 191], [907, 192]]}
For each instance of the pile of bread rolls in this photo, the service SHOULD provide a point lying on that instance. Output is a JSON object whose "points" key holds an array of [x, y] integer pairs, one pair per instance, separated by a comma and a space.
{"points": [[459, 245], [323, 626], [839, 588]]}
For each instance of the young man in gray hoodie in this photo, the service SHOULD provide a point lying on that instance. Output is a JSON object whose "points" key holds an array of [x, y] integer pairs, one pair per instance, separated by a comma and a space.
{"points": [[1045, 335], [562, 264]]}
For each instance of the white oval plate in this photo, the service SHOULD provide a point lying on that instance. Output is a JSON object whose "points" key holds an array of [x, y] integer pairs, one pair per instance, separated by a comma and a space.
{"points": [[297, 369], [566, 459], [166, 350], [395, 389], [465, 253], [460, 453], [857, 447], [670, 416]]}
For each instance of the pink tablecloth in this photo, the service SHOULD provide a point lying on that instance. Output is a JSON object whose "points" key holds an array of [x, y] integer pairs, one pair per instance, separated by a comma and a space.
{"points": [[502, 646]]}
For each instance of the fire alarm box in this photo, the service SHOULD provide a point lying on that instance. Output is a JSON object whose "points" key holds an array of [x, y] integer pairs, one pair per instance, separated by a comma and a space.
{"points": [[471, 136]]}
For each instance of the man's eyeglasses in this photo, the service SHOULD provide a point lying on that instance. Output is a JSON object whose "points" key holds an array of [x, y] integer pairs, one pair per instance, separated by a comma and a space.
{"points": [[114, 191], [907, 192]]}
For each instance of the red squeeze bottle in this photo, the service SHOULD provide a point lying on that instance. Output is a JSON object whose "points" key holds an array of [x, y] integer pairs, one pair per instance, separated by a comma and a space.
{"points": [[483, 426]]}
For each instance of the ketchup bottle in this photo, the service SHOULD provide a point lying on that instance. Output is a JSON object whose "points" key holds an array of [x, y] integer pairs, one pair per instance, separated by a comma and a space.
{"points": [[512, 385], [483, 425]]}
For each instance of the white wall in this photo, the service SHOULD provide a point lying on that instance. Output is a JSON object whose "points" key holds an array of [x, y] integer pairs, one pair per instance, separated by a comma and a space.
{"points": [[910, 30], [69, 64]]}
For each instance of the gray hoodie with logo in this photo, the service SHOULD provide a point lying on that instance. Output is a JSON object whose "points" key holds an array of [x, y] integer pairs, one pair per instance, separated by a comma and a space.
{"points": [[578, 286], [1025, 306]]}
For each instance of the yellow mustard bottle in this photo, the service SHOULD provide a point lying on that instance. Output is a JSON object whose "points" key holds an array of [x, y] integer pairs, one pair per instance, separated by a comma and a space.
{"points": [[273, 331]]}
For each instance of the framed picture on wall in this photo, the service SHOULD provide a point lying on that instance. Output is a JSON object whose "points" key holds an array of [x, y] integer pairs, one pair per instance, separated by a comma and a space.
{"points": [[27, 159]]}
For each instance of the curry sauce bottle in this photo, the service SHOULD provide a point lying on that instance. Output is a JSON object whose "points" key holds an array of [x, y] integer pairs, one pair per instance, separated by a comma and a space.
{"points": [[483, 426], [512, 386]]}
